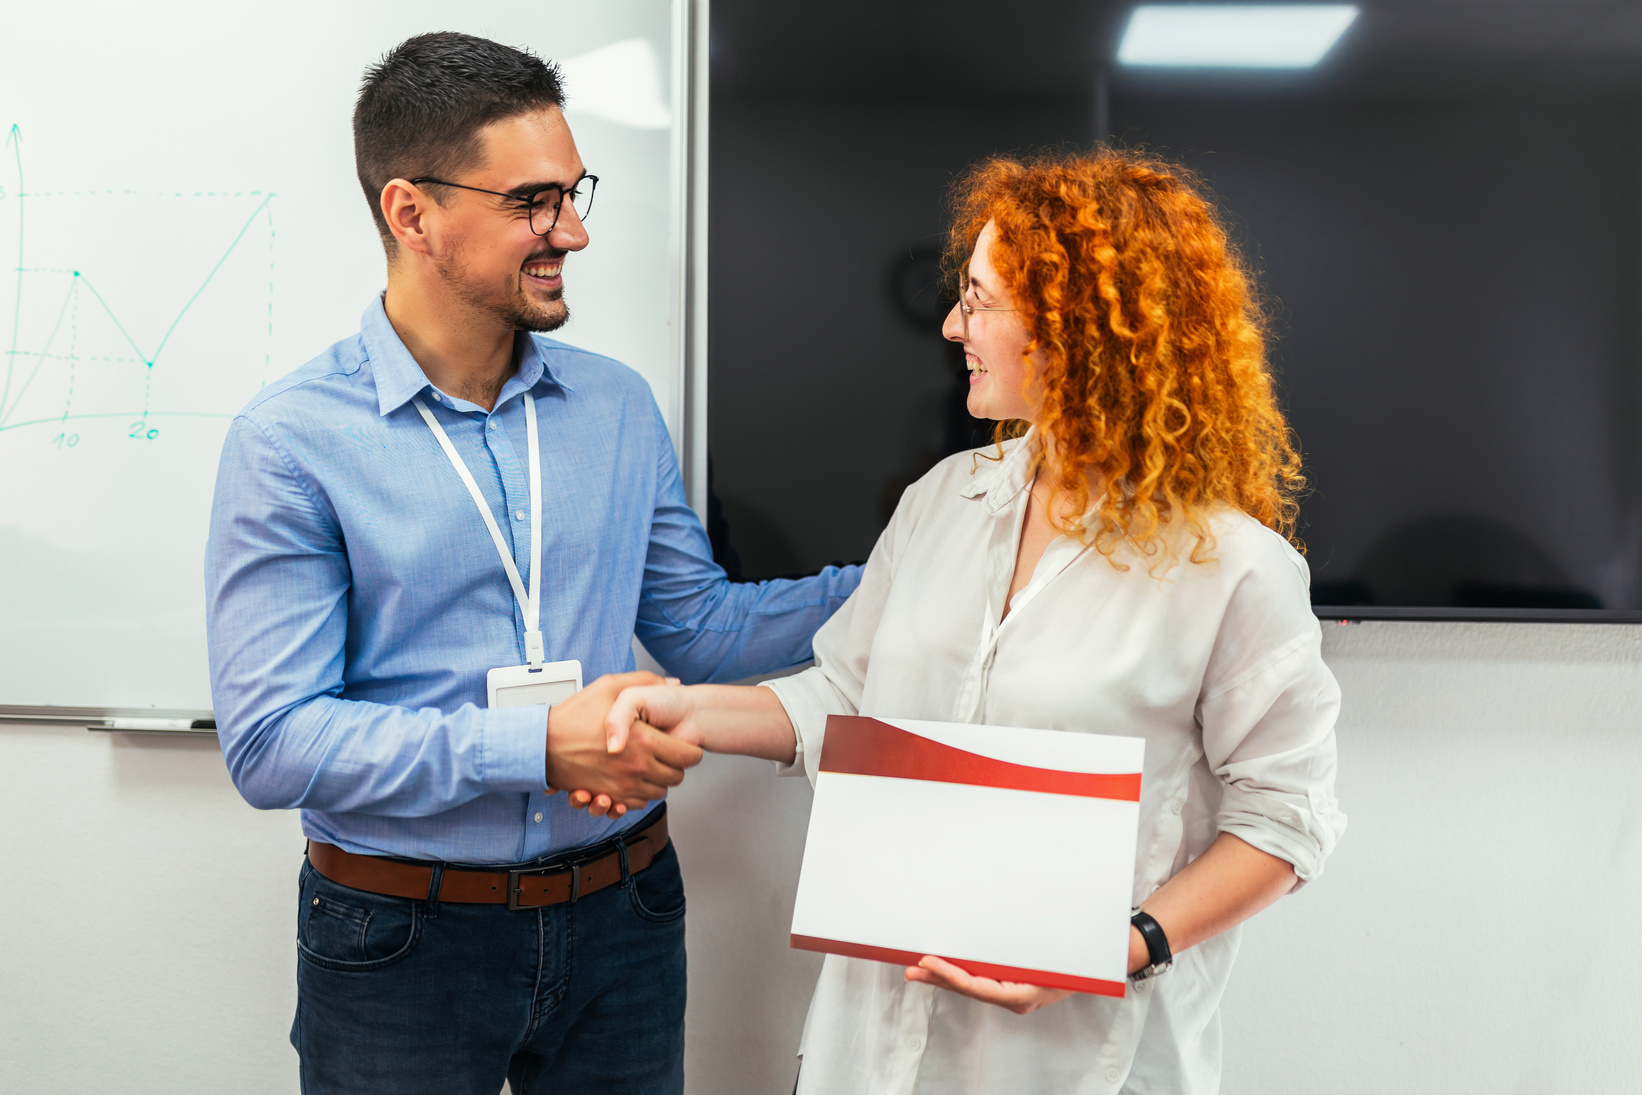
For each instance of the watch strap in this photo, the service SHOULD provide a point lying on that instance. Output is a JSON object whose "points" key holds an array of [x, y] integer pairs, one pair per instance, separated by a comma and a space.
{"points": [[1157, 944]]}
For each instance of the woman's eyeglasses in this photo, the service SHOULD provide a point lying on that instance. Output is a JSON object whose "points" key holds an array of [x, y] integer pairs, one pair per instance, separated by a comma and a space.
{"points": [[966, 309]]}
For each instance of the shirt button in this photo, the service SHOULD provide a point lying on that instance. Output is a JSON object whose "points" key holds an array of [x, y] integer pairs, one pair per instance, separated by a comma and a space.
{"points": [[436, 397], [1174, 807], [1112, 1074], [915, 1043], [491, 426], [538, 816], [519, 515]]}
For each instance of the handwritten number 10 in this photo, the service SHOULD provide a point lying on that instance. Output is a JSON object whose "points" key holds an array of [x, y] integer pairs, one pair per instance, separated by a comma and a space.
{"points": [[66, 440]]}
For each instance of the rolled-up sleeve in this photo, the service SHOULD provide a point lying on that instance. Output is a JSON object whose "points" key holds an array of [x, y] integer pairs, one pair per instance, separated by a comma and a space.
{"points": [[809, 697], [1268, 731]]}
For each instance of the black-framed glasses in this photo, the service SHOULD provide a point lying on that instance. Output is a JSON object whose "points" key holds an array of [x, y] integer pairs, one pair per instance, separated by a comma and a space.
{"points": [[544, 202]]}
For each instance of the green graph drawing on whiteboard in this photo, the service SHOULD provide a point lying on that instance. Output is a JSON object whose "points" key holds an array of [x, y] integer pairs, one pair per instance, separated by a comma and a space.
{"points": [[22, 366]]}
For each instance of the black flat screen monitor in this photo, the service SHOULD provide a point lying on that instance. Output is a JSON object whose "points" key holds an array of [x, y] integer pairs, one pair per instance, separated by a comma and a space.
{"points": [[1455, 291], [1444, 217]]}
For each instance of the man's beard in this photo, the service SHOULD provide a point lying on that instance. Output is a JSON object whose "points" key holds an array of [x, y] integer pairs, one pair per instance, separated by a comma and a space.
{"points": [[507, 305]]}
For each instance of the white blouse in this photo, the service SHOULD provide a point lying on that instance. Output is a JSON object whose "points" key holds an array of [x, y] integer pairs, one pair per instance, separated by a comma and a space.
{"points": [[1217, 665]]}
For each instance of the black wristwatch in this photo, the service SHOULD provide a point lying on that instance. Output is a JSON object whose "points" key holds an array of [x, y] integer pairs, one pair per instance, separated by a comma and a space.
{"points": [[1157, 946]]}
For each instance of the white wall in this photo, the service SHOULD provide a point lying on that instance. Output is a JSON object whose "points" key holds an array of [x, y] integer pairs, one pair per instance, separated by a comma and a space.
{"points": [[1474, 932], [147, 919]]}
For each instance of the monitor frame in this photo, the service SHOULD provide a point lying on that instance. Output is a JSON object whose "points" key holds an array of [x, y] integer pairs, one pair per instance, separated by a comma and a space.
{"points": [[1442, 614]]}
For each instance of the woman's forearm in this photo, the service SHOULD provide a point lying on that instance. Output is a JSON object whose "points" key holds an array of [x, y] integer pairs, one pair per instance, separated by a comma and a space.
{"points": [[719, 717], [748, 721], [1218, 890]]}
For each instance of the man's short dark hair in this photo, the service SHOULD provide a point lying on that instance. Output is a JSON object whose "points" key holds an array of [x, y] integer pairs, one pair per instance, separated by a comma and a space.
{"points": [[422, 106]]}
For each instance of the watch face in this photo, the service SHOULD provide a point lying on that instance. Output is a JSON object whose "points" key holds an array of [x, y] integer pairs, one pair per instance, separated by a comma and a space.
{"points": [[920, 290]]}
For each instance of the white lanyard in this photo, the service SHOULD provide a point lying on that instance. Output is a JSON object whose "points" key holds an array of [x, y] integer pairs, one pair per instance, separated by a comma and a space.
{"points": [[529, 603]]}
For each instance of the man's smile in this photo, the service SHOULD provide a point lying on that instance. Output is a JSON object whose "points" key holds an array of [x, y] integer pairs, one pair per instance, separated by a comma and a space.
{"points": [[544, 272]]}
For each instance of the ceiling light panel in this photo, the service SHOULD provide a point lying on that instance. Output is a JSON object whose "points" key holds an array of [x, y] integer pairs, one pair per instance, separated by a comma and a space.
{"points": [[1233, 35]]}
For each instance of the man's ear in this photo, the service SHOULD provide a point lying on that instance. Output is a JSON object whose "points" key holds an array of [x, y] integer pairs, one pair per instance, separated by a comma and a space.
{"points": [[406, 208]]}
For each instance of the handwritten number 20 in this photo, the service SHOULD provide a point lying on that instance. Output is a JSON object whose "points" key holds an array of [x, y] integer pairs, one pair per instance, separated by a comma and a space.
{"points": [[141, 432]]}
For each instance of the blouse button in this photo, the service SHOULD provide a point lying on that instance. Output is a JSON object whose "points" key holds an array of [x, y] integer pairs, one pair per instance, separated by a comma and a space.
{"points": [[1112, 1074], [915, 1043], [1174, 807]]}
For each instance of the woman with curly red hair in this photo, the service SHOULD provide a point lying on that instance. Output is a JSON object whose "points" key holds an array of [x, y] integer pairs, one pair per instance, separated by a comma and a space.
{"points": [[1119, 563]]}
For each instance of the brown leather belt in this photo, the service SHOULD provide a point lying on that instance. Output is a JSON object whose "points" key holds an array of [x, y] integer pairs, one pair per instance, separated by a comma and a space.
{"points": [[516, 887]]}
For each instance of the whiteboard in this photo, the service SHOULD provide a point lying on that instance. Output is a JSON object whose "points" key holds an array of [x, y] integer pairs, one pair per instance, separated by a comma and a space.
{"points": [[178, 191]]}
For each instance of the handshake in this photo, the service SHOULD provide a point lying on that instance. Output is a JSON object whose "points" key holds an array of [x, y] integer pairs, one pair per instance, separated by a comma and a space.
{"points": [[626, 738], [621, 742]]}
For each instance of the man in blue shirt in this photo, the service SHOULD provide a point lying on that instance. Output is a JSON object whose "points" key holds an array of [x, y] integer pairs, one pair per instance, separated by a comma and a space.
{"points": [[444, 494]]}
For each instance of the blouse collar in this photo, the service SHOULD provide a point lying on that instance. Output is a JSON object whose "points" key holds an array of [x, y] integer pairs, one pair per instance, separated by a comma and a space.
{"points": [[1000, 481]]}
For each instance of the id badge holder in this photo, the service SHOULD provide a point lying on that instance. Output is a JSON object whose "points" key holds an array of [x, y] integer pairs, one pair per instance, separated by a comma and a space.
{"points": [[530, 685]]}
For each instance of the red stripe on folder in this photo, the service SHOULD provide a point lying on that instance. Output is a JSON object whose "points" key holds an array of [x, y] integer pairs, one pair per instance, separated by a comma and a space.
{"points": [[861, 746], [980, 969]]}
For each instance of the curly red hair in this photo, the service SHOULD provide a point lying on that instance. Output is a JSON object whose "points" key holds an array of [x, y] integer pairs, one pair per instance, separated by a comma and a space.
{"points": [[1150, 344]]}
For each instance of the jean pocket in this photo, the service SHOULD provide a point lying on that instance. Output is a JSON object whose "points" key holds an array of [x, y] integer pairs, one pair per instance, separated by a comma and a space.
{"points": [[657, 892], [340, 928]]}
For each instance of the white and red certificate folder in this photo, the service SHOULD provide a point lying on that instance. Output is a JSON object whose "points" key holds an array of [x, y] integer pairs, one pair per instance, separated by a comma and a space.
{"points": [[1006, 851]]}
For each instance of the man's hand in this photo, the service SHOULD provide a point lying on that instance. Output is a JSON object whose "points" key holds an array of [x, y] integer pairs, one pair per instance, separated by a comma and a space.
{"points": [[1020, 999], [649, 703], [579, 754]]}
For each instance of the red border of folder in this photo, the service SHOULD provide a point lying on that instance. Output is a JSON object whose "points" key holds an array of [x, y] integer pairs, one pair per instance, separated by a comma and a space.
{"points": [[856, 745], [979, 969], [860, 746]]}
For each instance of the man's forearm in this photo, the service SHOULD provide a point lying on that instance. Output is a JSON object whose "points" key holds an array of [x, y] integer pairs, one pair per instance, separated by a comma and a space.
{"points": [[727, 631], [355, 757]]}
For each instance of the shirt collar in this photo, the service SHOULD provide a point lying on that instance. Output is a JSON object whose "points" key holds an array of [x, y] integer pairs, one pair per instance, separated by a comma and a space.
{"points": [[1001, 480], [399, 379]]}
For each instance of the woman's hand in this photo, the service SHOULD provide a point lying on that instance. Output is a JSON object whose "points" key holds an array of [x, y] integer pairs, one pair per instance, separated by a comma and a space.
{"points": [[629, 706], [1018, 998], [716, 717], [669, 704]]}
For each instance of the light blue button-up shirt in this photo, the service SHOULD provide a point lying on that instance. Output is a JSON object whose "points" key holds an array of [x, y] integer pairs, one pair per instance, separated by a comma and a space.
{"points": [[356, 601]]}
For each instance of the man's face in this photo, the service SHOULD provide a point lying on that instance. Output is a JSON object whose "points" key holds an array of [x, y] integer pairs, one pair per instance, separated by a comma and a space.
{"points": [[488, 254]]}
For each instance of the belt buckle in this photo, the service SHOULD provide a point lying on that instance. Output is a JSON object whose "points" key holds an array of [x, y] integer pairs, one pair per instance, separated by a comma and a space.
{"points": [[517, 873]]}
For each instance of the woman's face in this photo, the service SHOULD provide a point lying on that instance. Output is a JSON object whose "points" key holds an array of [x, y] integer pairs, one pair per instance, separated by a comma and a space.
{"points": [[996, 342]]}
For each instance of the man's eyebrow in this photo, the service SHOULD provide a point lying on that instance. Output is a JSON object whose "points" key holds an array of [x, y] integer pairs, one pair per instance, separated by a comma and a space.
{"points": [[525, 190]]}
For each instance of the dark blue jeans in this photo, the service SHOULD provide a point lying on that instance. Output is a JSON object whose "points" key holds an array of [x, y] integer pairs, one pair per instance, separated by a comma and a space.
{"points": [[406, 997]]}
